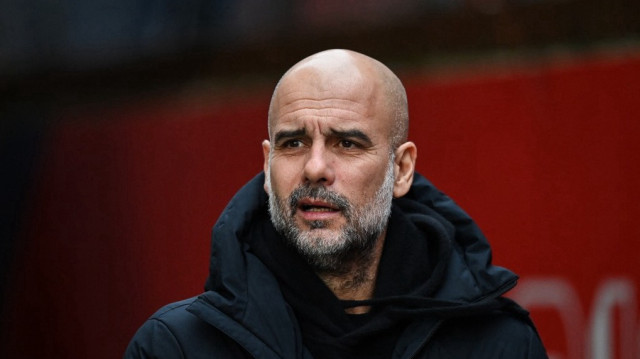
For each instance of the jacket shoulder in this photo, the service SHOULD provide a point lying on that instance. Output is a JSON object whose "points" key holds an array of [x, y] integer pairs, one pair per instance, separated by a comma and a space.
{"points": [[174, 332]]}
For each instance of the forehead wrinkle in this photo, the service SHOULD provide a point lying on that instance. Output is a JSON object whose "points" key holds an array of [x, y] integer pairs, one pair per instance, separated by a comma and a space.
{"points": [[324, 108], [332, 119]]}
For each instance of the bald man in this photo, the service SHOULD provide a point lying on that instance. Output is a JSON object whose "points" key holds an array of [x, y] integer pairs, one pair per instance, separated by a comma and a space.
{"points": [[339, 249]]}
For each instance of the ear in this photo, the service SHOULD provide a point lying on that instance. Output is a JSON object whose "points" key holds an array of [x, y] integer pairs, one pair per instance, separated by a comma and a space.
{"points": [[266, 148], [405, 164]]}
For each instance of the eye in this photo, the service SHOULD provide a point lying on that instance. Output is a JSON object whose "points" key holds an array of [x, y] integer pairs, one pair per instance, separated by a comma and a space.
{"points": [[347, 144], [292, 144]]}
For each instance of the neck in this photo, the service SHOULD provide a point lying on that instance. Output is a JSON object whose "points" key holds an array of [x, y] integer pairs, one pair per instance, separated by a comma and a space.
{"points": [[358, 282]]}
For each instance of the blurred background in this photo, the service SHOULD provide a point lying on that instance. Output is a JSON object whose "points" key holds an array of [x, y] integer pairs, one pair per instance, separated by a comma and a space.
{"points": [[126, 126]]}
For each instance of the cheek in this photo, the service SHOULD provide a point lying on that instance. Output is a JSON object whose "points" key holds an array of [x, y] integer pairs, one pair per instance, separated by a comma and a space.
{"points": [[283, 177], [362, 182]]}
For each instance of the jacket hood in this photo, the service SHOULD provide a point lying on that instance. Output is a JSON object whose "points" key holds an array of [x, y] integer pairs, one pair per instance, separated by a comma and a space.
{"points": [[470, 276], [241, 287]]}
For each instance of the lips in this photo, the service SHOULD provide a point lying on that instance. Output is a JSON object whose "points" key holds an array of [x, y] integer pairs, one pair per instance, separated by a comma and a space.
{"points": [[313, 204], [317, 206], [312, 210]]}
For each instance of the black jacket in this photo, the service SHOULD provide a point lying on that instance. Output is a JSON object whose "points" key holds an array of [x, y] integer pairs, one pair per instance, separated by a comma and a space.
{"points": [[243, 313]]}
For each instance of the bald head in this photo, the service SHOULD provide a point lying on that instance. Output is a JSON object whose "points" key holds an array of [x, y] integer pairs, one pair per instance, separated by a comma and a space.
{"points": [[348, 75]]}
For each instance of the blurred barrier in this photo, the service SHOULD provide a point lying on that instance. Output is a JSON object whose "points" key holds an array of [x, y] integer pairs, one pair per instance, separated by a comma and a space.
{"points": [[607, 335], [544, 157]]}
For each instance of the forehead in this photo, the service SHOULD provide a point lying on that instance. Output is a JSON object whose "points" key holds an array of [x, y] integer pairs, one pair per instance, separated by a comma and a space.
{"points": [[343, 98]]}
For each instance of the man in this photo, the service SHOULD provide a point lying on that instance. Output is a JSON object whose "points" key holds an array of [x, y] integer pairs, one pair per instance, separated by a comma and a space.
{"points": [[340, 250]]}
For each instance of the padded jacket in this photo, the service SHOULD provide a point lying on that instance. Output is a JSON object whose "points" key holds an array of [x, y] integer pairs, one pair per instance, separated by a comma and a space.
{"points": [[242, 313]]}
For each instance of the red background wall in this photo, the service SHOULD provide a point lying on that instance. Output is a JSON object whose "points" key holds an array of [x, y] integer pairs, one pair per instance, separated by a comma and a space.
{"points": [[543, 155]]}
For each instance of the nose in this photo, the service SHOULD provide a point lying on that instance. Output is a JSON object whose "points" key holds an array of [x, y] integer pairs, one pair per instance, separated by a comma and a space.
{"points": [[318, 168]]}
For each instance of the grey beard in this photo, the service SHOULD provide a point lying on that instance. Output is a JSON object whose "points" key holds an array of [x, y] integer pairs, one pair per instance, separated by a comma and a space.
{"points": [[357, 240]]}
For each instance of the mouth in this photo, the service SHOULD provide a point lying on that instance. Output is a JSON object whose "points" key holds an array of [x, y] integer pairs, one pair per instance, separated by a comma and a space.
{"points": [[318, 204], [315, 206]]}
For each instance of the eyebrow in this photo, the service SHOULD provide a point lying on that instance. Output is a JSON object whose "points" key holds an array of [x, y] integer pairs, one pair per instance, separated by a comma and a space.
{"points": [[356, 134], [289, 134], [353, 134]]}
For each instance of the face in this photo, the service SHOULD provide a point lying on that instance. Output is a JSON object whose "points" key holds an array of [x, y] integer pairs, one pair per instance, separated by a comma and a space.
{"points": [[329, 168], [329, 249]]}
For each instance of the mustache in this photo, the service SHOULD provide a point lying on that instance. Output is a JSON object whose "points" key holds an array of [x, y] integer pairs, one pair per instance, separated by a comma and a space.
{"points": [[319, 193]]}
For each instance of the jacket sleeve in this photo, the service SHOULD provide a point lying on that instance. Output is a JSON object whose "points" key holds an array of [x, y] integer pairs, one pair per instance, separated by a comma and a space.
{"points": [[536, 348], [154, 339]]}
